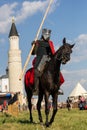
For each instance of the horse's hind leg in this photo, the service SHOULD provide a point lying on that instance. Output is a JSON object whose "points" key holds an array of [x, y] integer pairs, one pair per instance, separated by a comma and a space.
{"points": [[29, 96], [30, 109], [40, 98]]}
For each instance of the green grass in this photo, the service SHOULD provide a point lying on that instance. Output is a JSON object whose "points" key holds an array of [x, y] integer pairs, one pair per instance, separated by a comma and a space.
{"points": [[64, 120]]}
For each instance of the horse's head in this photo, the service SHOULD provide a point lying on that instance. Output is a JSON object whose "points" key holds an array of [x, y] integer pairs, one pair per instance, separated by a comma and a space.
{"points": [[64, 52]]}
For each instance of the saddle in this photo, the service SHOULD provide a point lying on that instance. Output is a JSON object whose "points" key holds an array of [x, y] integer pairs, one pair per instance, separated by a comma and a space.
{"points": [[29, 78]]}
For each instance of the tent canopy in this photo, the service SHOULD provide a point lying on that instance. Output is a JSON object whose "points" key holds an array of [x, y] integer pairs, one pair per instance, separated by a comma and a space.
{"points": [[78, 91]]}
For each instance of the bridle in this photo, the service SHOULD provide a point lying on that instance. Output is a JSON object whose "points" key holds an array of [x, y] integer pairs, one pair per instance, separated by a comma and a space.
{"points": [[64, 54]]}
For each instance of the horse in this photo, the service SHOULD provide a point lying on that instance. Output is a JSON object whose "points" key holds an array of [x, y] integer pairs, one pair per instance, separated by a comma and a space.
{"points": [[49, 83]]}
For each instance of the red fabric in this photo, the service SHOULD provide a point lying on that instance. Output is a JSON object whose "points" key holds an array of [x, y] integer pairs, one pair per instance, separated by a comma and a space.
{"points": [[52, 47], [29, 77], [4, 103], [61, 79]]}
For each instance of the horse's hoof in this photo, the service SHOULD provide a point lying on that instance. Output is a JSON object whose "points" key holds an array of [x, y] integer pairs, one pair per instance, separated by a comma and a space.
{"points": [[50, 123], [47, 124], [31, 120], [41, 123], [40, 119]]}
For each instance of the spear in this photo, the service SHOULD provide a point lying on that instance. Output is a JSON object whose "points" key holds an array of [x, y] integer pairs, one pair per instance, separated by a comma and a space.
{"points": [[38, 32]]}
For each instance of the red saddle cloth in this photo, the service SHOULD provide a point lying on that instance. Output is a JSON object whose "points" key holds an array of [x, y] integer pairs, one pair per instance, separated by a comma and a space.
{"points": [[29, 78], [61, 79]]}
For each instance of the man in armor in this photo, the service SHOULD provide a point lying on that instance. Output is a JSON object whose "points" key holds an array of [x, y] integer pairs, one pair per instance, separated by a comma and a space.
{"points": [[44, 49]]}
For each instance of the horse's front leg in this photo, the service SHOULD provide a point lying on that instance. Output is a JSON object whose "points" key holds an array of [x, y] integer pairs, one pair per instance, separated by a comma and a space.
{"points": [[47, 109], [54, 108], [40, 98]]}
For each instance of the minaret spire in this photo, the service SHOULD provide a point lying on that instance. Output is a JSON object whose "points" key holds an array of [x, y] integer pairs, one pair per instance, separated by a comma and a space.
{"points": [[13, 30], [13, 20]]}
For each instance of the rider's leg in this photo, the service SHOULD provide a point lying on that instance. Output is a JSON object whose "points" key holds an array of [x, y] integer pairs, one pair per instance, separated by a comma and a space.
{"points": [[36, 79]]}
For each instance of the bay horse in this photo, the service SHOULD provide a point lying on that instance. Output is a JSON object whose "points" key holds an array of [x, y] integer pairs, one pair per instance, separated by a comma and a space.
{"points": [[50, 83]]}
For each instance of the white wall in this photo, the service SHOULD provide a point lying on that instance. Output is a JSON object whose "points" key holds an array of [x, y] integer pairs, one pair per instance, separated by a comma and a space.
{"points": [[5, 85]]}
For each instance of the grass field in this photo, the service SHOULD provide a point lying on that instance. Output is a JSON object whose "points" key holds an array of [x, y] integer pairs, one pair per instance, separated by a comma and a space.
{"points": [[64, 120]]}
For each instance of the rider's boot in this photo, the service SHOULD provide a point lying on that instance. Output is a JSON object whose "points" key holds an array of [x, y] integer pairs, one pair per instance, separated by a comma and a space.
{"points": [[60, 92]]}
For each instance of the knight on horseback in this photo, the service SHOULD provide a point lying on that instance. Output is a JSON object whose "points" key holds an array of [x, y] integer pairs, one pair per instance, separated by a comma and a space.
{"points": [[44, 50]]}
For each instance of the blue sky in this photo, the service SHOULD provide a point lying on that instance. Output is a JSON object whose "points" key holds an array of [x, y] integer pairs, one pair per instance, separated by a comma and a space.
{"points": [[65, 19]]}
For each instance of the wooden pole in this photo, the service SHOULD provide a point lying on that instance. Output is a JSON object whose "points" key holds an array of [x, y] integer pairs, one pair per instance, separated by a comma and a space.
{"points": [[28, 58]]}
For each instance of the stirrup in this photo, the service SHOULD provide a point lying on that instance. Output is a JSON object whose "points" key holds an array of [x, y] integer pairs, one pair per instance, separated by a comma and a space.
{"points": [[60, 92]]}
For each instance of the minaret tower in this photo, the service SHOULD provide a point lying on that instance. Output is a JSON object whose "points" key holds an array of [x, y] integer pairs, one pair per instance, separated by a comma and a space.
{"points": [[14, 61]]}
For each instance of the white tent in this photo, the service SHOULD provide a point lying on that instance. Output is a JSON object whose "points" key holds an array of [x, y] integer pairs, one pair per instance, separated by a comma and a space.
{"points": [[78, 91]]}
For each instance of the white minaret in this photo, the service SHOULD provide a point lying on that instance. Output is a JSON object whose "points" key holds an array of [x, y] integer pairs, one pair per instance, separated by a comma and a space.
{"points": [[14, 61]]}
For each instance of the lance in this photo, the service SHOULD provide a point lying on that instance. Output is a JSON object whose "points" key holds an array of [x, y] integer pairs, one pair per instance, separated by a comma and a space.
{"points": [[38, 32]]}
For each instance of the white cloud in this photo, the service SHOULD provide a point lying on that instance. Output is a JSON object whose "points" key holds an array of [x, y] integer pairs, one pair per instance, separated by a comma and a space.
{"points": [[82, 39], [21, 12], [82, 72], [6, 12], [30, 8], [80, 48], [83, 81]]}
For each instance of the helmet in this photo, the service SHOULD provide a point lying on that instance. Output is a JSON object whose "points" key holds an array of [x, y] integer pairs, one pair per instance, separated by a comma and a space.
{"points": [[46, 34]]}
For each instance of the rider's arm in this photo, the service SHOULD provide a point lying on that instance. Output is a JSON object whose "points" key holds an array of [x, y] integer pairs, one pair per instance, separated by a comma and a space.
{"points": [[35, 47]]}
